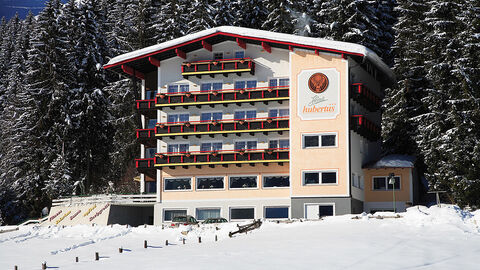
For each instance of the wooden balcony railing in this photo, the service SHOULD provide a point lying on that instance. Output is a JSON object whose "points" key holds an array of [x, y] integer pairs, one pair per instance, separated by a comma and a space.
{"points": [[366, 128], [145, 133], [220, 66], [144, 163], [197, 98], [222, 157], [225, 126], [145, 104], [365, 97]]}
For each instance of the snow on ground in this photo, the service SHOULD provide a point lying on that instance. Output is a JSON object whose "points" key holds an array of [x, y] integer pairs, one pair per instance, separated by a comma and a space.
{"points": [[423, 238]]}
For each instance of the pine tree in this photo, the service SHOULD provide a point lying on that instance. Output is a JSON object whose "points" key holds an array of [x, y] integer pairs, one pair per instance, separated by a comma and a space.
{"points": [[250, 13], [169, 21], [279, 18], [224, 12], [199, 16]]}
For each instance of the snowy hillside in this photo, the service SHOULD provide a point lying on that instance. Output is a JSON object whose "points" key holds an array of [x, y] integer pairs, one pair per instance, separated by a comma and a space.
{"points": [[424, 238]]}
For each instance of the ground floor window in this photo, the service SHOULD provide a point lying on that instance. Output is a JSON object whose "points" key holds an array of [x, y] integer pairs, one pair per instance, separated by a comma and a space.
{"points": [[276, 181], [178, 183], [326, 210], [212, 182], [203, 214], [276, 212], [243, 181], [383, 183], [168, 215], [242, 213]]}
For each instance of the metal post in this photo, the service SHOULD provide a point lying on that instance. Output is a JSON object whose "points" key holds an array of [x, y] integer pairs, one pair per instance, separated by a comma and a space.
{"points": [[392, 182]]}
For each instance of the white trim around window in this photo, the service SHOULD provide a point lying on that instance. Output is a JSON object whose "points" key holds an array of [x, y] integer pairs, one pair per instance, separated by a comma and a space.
{"points": [[278, 174], [319, 204], [319, 139], [241, 207], [177, 190], [276, 206], [207, 208], [209, 189], [172, 209], [320, 177], [241, 188], [386, 183]]}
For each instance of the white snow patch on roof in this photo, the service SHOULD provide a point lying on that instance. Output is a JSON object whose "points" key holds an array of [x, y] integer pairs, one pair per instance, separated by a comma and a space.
{"points": [[394, 161], [255, 33]]}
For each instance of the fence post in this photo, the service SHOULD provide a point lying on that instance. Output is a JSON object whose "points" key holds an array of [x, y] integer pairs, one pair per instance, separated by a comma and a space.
{"points": [[166, 242], [145, 244], [216, 238], [97, 257], [44, 265], [76, 259], [199, 239], [120, 250]]}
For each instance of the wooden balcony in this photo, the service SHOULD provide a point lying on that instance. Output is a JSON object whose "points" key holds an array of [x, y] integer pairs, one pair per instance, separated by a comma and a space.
{"points": [[224, 96], [145, 165], [147, 107], [222, 157], [365, 97], [146, 136], [237, 66], [365, 128], [223, 127]]}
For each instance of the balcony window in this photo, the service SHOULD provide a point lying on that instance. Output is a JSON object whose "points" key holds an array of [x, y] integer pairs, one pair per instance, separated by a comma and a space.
{"points": [[175, 118], [149, 94], [243, 181], [319, 177], [245, 145], [245, 114], [278, 112], [240, 54], [177, 147], [151, 123], [175, 88], [247, 84], [283, 82], [150, 152], [203, 214], [168, 215], [212, 182], [211, 146], [178, 183], [150, 187], [285, 143], [211, 86], [211, 116], [278, 82], [383, 183], [217, 55], [276, 181]]}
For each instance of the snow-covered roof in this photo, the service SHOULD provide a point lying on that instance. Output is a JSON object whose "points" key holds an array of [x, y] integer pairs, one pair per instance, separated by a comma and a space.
{"points": [[337, 46], [393, 161]]}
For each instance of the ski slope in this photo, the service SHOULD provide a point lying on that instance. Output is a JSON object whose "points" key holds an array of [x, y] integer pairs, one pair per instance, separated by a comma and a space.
{"points": [[423, 238]]}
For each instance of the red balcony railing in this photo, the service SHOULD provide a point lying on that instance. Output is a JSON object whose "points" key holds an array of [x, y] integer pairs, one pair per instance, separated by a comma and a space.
{"points": [[365, 97], [218, 66], [144, 163], [238, 156], [145, 104], [365, 127], [264, 124], [223, 95]]}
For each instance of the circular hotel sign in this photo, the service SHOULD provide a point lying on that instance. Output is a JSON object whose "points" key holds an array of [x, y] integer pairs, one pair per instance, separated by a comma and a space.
{"points": [[318, 83]]}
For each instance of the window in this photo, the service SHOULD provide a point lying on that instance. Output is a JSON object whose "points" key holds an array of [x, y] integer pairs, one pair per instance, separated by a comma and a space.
{"points": [[249, 145], [175, 88], [172, 89], [150, 187], [247, 84], [240, 54], [150, 152], [210, 116], [177, 147], [278, 112], [325, 210], [278, 82], [168, 215], [276, 212], [175, 118], [276, 181], [178, 183], [149, 94], [203, 214], [242, 213], [319, 140], [151, 123], [184, 88], [211, 146], [317, 178], [383, 183], [274, 144], [217, 55], [243, 181], [211, 86], [210, 182], [357, 181], [245, 114]]}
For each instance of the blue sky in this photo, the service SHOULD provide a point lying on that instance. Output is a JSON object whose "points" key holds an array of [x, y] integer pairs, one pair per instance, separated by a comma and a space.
{"points": [[8, 8]]}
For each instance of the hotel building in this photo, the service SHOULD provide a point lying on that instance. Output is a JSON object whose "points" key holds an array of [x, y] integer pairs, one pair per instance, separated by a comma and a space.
{"points": [[242, 123]]}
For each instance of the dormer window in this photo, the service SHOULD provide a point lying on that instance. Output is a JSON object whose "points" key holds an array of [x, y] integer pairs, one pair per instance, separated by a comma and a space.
{"points": [[240, 54], [217, 55]]}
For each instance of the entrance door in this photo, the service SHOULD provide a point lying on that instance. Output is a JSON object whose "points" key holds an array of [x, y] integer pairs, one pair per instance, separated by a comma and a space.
{"points": [[312, 211], [316, 211]]}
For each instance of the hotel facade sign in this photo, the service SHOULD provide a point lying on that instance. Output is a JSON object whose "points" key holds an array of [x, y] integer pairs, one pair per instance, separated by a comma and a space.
{"points": [[318, 94]]}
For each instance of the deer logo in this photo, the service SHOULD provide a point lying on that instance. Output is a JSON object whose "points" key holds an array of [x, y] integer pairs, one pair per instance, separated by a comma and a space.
{"points": [[318, 83]]}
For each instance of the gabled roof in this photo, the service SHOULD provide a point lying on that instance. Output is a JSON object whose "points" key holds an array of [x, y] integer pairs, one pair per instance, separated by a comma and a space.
{"points": [[138, 60], [393, 161]]}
